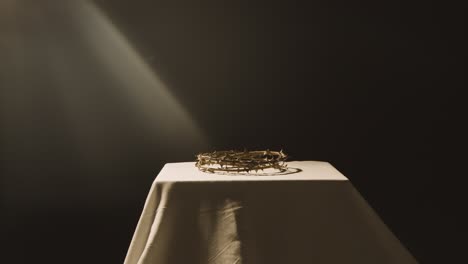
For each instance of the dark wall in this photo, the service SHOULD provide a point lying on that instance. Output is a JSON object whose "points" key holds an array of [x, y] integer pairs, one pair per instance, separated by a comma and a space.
{"points": [[97, 96]]}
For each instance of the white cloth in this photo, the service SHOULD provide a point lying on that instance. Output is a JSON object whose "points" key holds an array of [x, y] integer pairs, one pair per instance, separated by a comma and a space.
{"points": [[313, 216]]}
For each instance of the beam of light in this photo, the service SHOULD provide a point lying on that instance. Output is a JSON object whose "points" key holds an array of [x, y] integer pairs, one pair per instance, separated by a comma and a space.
{"points": [[67, 72], [164, 123], [135, 79], [167, 126]]}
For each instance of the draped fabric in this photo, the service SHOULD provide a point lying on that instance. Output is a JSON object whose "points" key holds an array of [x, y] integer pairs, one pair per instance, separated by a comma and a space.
{"points": [[312, 216]]}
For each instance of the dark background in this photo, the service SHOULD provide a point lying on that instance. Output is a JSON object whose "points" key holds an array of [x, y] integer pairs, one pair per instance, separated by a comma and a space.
{"points": [[372, 87]]}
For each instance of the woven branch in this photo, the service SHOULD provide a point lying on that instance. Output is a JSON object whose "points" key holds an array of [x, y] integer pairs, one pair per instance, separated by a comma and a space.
{"points": [[241, 161]]}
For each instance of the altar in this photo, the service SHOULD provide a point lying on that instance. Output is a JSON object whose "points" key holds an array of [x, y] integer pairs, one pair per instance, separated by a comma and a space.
{"points": [[310, 214]]}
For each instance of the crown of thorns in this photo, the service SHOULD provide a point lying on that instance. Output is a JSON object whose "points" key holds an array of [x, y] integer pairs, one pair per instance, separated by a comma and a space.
{"points": [[241, 161]]}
